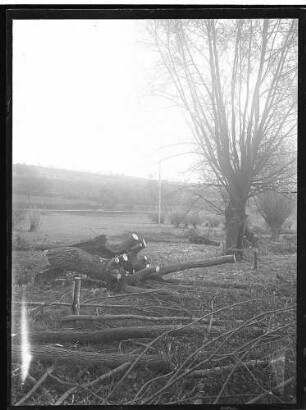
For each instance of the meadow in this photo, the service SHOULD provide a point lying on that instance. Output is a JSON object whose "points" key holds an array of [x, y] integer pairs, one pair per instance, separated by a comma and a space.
{"points": [[245, 351]]}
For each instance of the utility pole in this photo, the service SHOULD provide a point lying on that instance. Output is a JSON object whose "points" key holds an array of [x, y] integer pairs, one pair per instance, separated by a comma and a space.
{"points": [[159, 192]]}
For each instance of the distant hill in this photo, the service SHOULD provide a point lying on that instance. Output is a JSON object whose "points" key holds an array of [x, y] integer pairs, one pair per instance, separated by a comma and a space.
{"points": [[68, 174], [55, 188]]}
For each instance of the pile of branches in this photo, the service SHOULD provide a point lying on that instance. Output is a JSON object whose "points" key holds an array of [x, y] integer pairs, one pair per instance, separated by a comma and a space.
{"points": [[162, 359]]}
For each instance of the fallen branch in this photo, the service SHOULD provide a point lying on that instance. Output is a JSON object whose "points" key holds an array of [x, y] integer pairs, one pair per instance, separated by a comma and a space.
{"points": [[95, 318], [92, 383], [138, 307], [274, 390], [282, 279], [113, 334], [214, 370], [59, 355], [46, 392], [160, 291], [34, 388]]}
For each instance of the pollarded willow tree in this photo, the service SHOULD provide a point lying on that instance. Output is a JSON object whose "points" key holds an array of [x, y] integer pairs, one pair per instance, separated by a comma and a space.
{"points": [[236, 80]]}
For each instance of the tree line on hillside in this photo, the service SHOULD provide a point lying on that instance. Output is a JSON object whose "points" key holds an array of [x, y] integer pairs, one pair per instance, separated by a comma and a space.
{"points": [[114, 194]]}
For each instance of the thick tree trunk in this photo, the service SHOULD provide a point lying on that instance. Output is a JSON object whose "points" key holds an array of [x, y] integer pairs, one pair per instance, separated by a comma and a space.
{"points": [[235, 218], [86, 359]]}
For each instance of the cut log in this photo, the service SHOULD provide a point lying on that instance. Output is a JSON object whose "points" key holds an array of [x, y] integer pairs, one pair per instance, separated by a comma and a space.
{"points": [[60, 356], [99, 246], [113, 334], [135, 263], [77, 260], [151, 272]]}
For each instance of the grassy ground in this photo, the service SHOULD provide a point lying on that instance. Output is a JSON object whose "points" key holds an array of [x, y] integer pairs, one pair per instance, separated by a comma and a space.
{"points": [[235, 292]]}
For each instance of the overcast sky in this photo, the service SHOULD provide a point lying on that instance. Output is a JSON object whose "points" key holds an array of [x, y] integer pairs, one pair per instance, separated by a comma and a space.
{"points": [[80, 101]]}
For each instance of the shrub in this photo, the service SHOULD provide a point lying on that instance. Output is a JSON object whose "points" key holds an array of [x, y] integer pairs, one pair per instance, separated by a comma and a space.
{"points": [[19, 243], [154, 217], [177, 218], [213, 221], [34, 220], [18, 217], [275, 208], [194, 220]]}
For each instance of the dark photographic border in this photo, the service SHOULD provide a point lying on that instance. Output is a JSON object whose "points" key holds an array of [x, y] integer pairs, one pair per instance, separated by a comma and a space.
{"points": [[9, 13]]}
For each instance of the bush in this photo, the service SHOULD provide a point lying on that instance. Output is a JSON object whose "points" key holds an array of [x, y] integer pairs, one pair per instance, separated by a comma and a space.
{"points": [[154, 217], [275, 208], [34, 220], [19, 243], [177, 218], [194, 220], [18, 217], [213, 221]]}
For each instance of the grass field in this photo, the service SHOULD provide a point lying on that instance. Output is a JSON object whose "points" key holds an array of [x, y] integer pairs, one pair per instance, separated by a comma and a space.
{"points": [[237, 293]]}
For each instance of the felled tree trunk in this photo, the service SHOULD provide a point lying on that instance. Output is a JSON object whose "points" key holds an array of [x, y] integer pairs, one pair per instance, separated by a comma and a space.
{"points": [[153, 272], [60, 356], [83, 258], [111, 271]]}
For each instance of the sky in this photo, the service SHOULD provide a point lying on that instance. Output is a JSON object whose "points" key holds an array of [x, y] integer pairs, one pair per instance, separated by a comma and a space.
{"points": [[80, 101]]}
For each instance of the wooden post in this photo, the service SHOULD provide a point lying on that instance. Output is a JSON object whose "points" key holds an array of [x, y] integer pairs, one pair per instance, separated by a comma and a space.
{"points": [[159, 192], [75, 307], [255, 259]]}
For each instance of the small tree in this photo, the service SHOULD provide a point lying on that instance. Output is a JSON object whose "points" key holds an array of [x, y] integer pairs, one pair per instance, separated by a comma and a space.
{"points": [[194, 219], [177, 218], [275, 208], [34, 220], [18, 218]]}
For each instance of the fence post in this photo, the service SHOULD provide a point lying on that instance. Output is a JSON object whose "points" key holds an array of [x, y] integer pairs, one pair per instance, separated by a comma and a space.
{"points": [[255, 259], [75, 307]]}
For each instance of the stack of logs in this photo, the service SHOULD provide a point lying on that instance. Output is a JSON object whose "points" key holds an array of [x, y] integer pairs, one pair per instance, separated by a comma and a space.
{"points": [[114, 266]]}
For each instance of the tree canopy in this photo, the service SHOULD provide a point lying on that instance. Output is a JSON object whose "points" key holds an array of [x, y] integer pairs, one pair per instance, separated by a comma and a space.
{"points": [[236, 80]]}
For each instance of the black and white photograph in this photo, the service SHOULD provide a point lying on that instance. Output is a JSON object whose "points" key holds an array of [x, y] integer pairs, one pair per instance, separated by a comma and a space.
{"points": [[154, 207]]}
